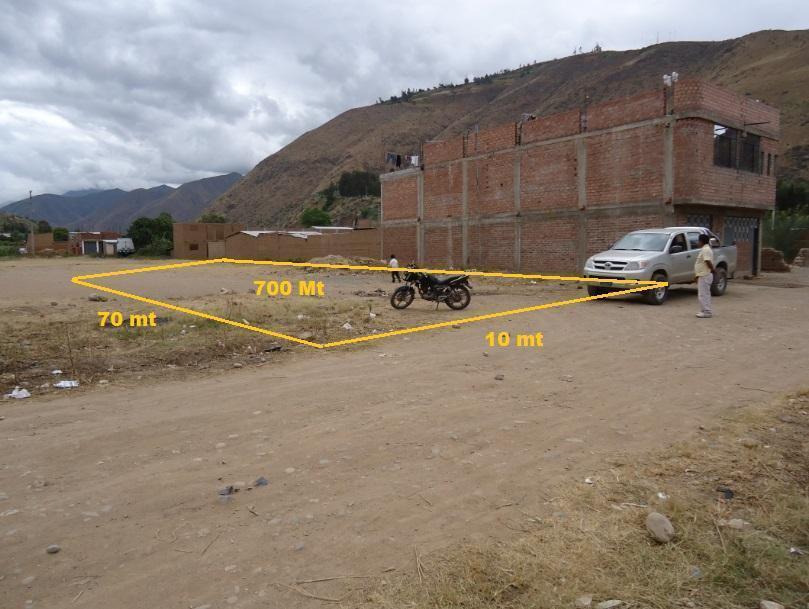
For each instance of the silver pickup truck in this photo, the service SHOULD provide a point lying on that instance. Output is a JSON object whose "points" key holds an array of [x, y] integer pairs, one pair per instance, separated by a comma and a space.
{"points": [[659, 254]]}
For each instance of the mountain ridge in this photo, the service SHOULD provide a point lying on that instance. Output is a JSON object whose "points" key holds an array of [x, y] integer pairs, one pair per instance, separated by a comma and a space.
{"points": [[115, 209]]}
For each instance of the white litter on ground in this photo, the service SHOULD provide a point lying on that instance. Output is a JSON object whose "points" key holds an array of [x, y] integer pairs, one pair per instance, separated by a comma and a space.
{"points": [[347, 326], [56, 372], [66, 384], [19, 394]]}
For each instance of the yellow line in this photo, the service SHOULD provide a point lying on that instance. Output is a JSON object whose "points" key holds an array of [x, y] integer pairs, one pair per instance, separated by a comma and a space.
{"points": [[146, 269], [467, 320], [222, 320], [80, 280], [387, 269]]}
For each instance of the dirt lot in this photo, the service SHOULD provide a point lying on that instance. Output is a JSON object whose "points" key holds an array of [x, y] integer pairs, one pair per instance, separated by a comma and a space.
{"points": [[370, 452]]}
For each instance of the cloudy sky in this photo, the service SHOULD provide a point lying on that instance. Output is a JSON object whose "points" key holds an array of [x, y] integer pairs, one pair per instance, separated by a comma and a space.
{"points": [[103, 93]]}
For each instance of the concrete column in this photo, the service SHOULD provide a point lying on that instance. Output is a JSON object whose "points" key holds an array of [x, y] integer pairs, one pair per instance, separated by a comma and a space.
{"points": [[450, 261], [668, 166], [420, 219], [464, 215], [581, 171], [517, 214], [581, 185]]}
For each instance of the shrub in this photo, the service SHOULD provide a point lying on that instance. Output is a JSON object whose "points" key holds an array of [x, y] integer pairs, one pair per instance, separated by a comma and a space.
{"points": [[359, 184], [315, 217], [212, 217], [158, 247], [784, 232], [60, 234]]}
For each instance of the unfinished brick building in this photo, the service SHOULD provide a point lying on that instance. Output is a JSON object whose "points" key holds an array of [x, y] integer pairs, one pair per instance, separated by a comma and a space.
{"points": [[543, 195]]}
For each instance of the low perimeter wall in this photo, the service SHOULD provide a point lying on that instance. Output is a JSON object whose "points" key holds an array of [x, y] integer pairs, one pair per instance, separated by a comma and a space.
{"points": [[274, 246]]}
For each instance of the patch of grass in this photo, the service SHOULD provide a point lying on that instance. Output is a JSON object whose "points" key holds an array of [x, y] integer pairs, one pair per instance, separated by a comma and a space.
{"points": [[595, 542]]}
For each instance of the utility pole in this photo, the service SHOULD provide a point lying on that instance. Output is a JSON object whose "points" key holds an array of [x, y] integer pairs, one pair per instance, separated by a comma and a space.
{"points": [[33, 245]]}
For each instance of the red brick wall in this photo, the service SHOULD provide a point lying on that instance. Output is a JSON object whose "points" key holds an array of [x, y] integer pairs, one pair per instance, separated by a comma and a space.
{"points": [[627, 110], [443, 150], [490, 184], [697, 179], [548, 177], [489, 140], [549, 246], [436, 250], [443, 186], [400, 193], [695, 95], [493, 247], [625, 166], [550, 127]]}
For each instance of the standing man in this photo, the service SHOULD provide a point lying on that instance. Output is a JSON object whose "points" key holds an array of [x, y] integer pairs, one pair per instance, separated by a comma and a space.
{"points": [[394, 264], [703, 268]]}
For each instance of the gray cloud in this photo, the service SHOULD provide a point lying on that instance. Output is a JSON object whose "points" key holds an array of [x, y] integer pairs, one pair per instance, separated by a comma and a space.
{"points": [[98, 93]]}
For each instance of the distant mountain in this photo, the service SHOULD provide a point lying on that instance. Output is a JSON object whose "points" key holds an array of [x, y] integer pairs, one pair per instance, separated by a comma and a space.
{"points": [[80, 193], [116, 209], [189, 200], [768, 65], [60, 210]]}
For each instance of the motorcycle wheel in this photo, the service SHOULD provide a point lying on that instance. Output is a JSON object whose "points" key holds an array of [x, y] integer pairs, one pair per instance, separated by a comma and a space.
{"points": [[459, 298], [402, 297]]}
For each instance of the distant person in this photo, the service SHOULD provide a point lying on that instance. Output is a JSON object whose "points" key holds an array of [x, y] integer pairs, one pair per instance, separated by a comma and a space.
{"points": [[704, 269], [394, 264]]}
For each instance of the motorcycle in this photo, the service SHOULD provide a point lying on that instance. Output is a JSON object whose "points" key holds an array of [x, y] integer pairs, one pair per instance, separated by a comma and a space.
{"points": [[452, 290]]}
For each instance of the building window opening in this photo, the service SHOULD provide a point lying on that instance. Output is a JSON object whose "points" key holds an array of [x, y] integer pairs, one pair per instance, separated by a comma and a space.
{"points": [[737, 150], [749, 161], [725, 144], [193, 247], [769, 164]]}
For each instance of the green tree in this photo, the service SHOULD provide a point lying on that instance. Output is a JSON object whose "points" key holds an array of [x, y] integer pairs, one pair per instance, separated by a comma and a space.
{"points": [[146, 231], [43, 227], [315, 217], [790, 194], [60, 233], [212, 217]]}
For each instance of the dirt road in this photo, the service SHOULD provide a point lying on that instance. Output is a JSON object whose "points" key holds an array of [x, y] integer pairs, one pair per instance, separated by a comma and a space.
{"points": [[368, 452]]}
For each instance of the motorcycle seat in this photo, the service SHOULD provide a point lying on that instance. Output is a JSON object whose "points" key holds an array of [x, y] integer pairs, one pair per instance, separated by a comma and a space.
{"points": [[436, 281]]}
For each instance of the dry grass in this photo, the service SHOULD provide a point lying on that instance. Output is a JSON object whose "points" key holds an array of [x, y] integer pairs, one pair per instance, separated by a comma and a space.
{"points": [[593, 540], [35, 341]]}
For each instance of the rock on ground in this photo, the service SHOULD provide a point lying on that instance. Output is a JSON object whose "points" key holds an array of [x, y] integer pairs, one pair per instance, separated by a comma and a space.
{"points": [[583, 602], [770, 605], [659, 527]]}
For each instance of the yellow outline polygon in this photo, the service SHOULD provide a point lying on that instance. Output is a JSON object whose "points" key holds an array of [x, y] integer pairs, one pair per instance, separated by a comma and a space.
{"points": [[80, 280]]}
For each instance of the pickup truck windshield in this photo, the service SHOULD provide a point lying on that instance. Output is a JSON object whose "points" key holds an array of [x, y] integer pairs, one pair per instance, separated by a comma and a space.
{"points": [[642, 242]]}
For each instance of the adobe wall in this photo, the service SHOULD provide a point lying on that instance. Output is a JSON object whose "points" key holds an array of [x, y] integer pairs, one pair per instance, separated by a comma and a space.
{"points": [[191, 238]]}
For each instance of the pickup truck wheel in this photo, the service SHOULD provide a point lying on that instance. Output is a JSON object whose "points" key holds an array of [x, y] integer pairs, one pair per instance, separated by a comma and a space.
{"points": [[720, 282], [658, 295], [594, 290]]}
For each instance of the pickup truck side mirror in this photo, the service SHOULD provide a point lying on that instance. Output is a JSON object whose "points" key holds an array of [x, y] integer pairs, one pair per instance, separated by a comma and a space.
{"points": [[675, 249], [714, 242]]}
